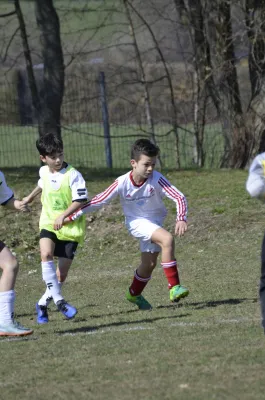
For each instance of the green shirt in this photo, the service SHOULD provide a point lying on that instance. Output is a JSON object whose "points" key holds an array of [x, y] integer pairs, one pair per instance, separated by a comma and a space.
{"points": [[54, 203]]}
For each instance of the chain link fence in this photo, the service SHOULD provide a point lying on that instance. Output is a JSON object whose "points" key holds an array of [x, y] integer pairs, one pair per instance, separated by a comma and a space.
{"points": [[100, 121]]}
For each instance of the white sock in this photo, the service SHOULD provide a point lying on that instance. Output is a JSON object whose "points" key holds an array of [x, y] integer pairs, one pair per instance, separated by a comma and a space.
{"points": [[7, 305], [47, 297], [50, 278]]}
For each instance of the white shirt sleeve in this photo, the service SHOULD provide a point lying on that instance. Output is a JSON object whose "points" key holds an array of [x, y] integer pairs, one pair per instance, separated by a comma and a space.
{"points": [[171, 192], [40, 181], [5, 192], [78, 186], [98, 201], [255, 184]]}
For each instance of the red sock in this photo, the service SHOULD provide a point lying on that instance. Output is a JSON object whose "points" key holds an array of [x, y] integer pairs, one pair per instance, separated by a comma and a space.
{"points": [[138, 284], [171, 271]]}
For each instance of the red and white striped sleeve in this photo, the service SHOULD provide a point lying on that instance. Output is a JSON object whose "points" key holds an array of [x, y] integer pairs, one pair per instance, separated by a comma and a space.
{"points": [[170, 191], [98, 201]]}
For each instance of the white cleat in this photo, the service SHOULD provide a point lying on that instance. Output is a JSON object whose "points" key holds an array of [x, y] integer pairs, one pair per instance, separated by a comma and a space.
{"points": [[14, 328]]}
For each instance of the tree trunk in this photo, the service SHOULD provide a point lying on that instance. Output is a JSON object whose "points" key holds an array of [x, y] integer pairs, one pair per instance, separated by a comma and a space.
{"points": [[53, 64], [235, 132], [29, 66], [203, 76], [255, 19]]}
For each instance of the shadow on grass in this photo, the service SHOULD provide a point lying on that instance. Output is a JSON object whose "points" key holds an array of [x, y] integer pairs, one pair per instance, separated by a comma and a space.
{"points": [[87, 329], [196, 305], [211, 304]]}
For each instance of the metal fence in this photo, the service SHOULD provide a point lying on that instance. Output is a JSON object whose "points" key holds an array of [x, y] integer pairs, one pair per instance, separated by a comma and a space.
{"points": [[99, 126]]}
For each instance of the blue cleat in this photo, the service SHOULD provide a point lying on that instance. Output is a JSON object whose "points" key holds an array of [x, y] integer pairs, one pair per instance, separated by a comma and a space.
{"points": [[66, 309], [42, 314]]}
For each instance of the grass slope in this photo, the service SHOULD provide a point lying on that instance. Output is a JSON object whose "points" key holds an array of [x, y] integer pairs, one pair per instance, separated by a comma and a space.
{"points": [[210, 346]]}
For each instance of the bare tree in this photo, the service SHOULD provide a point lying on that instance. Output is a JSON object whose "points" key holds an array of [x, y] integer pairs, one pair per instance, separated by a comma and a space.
{"points": [[236, 151], [255, 20], [29, 65], [147, 101], [168, 77], [53, 67]]}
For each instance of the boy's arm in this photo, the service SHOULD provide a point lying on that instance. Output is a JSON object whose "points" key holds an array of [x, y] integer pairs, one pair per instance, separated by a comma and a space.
{"points": [[58, 223], [171, 192], [96, 202], [35, 192], [255, 184]]}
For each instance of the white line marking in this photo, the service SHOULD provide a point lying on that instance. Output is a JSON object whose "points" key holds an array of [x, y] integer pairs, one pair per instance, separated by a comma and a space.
{"points": [[17, 339], [145, 328]]}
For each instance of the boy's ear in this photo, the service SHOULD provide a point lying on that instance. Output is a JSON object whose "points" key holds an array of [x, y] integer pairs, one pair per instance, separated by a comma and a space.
{"points": [[133, 163], [43, 159]]}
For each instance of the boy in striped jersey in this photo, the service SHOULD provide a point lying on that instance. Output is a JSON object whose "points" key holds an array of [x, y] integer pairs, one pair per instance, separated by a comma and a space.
{"points": [[141, 193], [63, 190]]}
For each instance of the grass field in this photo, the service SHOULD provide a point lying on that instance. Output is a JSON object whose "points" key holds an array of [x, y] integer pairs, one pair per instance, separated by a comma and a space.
{"points": [[84, 145], [210, 346]]}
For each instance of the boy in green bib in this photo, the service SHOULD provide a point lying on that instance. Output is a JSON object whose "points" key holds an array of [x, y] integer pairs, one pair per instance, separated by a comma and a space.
{"points": [[63, 191]]}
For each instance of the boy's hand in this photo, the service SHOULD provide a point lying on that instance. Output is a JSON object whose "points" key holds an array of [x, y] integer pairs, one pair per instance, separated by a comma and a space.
{"points": [[58, 223], [21, 206], [181, 227]]}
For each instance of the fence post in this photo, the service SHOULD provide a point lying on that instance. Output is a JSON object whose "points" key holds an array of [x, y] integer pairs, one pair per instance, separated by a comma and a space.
{"points": [[105, 116]]}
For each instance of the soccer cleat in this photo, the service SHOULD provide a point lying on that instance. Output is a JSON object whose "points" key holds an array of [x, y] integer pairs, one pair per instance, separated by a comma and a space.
{"points": [[139, 301], [178, 292], [66, 309], [14, 328], [42, 314]]}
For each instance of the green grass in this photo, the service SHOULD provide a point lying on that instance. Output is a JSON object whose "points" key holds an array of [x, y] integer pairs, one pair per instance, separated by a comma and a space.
{"points": [[84, 145], [79, 22], [210, 346]]}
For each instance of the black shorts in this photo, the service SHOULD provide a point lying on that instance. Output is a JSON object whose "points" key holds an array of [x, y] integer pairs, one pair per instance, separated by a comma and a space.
{"points": [[2, 246], [63, 248]]}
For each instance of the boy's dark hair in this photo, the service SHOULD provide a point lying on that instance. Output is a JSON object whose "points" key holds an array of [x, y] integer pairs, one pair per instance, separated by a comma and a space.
{"points": [[143, 146], [49, 144]]}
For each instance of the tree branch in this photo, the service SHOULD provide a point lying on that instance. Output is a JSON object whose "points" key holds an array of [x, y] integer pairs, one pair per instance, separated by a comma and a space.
{"points": [[7, 14]]}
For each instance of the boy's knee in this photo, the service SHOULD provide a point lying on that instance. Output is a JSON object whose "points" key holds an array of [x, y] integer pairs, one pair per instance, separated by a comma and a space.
{"points": [[12, 266], [46, 256], [151, 264], [168, 240]]}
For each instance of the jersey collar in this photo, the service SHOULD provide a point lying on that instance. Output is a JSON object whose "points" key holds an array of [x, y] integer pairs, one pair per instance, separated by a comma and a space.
{"points": [[135, 184]]}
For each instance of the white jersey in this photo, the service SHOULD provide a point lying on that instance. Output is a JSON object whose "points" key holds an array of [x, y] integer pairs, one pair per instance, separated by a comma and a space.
{"points": [[255, 184], [5, 192], [76, 182], [140, 201]]}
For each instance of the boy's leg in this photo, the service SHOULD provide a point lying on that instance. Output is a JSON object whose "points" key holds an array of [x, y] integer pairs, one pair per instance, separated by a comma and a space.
{"points": [[63, 267], [262, 284], [9, 266], [49, 276], [141, 277], [143, 273], [168, 261]]}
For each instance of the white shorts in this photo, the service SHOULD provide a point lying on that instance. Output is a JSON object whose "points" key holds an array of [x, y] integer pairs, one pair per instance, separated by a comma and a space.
{"points": [[142, 229]]}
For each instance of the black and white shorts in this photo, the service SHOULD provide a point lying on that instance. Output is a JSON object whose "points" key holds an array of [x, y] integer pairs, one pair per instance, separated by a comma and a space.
{"points": [[63, 248]]}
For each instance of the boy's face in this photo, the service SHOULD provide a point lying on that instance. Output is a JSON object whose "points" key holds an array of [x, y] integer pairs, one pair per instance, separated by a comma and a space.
{"points": [[54, 161], [144, 166]]}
